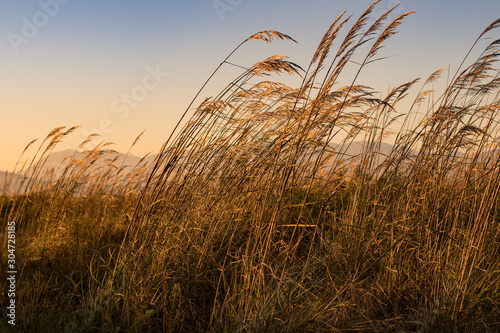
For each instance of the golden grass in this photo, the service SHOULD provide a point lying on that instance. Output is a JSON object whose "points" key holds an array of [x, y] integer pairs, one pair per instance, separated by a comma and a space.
{"points": [[251, 219]]}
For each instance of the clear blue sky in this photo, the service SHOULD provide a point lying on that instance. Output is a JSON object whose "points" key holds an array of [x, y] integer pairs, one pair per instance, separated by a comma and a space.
{"points": [[71, 62]]}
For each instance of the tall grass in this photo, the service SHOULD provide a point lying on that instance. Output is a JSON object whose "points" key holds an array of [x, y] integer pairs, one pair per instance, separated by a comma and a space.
{"points": [[256, 218]]}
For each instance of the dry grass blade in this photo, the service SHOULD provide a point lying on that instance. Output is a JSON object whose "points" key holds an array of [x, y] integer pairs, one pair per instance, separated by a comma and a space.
{"points": [[327, 40], [388, 32], [379, 22], [269, 36], [275, 64], [421, 96], [29, 145], [88, 139], [494, 25], [55, 131], [137, 139], [71, 130], [358, 25]]}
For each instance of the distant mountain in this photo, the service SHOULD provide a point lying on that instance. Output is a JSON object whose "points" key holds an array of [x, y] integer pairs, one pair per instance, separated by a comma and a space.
{"points": [[58, 160], [356, 148]]}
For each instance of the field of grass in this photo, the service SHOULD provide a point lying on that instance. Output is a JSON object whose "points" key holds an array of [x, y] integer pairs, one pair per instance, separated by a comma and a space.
{"points": [[254, 218]]}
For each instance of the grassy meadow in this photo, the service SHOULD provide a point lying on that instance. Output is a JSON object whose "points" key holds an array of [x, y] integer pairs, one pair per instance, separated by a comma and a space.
{"points": [[256, 217]]}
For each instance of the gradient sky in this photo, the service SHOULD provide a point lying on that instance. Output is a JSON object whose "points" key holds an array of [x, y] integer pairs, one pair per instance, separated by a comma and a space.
{"points": [[84, 55]]}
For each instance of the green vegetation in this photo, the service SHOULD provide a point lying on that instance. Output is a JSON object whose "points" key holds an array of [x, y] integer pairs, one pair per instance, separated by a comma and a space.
{"points": [[251, 219]]}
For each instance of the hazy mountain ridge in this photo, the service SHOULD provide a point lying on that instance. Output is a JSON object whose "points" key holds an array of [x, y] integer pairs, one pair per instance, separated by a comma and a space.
{"points": [[58, 160], [10, 181], [55, 163]]}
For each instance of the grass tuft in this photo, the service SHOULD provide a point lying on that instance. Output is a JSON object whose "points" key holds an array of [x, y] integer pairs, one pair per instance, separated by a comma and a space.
{"points": [[278, 208]]}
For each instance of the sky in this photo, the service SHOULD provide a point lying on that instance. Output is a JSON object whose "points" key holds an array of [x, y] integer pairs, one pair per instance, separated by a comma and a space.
{"points": [[118, 67]]}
